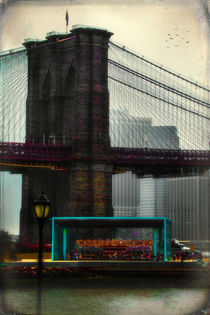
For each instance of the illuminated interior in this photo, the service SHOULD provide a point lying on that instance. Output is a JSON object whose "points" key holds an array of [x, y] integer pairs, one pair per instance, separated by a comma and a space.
{"points": [[86, 238]]}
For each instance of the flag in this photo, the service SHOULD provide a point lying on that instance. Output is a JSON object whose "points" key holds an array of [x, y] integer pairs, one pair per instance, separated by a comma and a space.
{"points": [[67, 18]]}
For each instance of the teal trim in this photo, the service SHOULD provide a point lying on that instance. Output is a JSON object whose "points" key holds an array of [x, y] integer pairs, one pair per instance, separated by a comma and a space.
{"points": [[61, 239], [170, 238], [155, 242], [164, 242], [77, 237], [68, 240], [53, 239], [160, 241], [111, 218], [58, 242], [64, 243]]}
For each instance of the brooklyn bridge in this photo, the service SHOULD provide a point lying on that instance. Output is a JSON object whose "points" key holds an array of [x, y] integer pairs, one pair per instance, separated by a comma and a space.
{"points": [[79, 112]]}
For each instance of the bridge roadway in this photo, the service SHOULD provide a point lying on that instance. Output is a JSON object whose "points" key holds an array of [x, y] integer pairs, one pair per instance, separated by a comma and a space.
{"points": [[16, 157]]}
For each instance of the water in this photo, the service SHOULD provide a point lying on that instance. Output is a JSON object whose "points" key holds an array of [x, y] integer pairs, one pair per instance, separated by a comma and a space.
{"points": [[108, 295]]}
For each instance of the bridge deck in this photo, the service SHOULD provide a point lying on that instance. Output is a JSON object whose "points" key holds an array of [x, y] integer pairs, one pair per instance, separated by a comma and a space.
{"points": [[17, 157]]}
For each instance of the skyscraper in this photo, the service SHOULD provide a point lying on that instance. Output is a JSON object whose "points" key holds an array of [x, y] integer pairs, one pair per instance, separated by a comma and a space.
{"points": [[187, 204], [134, 196]]}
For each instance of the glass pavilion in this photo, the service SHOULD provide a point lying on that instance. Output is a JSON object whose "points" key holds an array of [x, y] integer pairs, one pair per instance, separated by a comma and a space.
{"points": [[66, 231]]}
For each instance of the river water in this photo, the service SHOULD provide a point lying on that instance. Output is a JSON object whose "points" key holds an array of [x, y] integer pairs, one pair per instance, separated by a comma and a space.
{"points": [[109, 295]]}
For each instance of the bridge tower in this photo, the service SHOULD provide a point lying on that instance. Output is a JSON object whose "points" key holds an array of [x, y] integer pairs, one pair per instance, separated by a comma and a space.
{"points": [[68, 103]]}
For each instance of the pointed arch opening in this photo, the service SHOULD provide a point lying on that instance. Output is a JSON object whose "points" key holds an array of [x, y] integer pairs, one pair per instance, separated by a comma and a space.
{"points": [[68, 105], [44, 107], [69, 84]]}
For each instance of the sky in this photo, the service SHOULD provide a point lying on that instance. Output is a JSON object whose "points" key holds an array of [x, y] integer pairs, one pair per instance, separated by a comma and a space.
{"points": [[171, 33]]}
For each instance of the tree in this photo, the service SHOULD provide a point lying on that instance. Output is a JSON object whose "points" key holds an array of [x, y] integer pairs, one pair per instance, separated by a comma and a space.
{"points": [[5, 244]]}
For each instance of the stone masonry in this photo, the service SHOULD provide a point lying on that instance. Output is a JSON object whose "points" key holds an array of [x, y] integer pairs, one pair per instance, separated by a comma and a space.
{"points": [[68, 102]]}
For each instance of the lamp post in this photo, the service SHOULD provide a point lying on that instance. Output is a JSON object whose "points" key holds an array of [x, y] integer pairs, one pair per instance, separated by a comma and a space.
{"points": [[41, 209]]}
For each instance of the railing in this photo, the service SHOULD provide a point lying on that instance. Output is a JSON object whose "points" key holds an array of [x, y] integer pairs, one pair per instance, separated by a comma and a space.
{"points": [[124, 156], [35, 152], [160, 156]]}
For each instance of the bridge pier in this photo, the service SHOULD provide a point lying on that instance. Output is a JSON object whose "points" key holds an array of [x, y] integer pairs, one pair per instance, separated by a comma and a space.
{"points": [[84, 191], [68, 99]]}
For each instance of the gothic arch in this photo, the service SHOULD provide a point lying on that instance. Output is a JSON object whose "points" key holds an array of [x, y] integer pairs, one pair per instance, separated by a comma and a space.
{"points": [[69, 82], [45, 89], [68, 103], [44, 105]]}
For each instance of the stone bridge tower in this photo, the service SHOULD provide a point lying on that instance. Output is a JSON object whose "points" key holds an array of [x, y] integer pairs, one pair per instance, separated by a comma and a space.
{"points": [[68, 102]]}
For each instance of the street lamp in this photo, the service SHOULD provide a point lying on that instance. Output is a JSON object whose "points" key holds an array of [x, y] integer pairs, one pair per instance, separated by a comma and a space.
{"points": [[41, 209]]}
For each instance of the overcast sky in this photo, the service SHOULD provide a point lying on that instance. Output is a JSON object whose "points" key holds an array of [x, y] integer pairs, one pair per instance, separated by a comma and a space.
{"points": [[172, 33]]}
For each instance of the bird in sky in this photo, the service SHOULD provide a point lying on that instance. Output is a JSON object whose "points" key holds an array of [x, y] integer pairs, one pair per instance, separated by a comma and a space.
{"points": [[177, 39]]}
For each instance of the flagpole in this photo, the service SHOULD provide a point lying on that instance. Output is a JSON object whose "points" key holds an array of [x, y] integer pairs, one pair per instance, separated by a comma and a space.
{"points": [[67, 20]]}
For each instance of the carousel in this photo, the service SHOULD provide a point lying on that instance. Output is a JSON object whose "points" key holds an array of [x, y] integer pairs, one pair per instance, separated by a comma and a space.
{"points": [[98, 238]]}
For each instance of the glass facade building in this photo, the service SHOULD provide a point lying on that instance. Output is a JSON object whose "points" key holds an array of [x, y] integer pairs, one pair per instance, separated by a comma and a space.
{"points": [[187, 205], [132, 196]]}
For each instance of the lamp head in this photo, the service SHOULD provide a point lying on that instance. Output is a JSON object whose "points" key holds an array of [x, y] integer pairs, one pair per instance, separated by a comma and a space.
{"points": [[41, 206]]}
